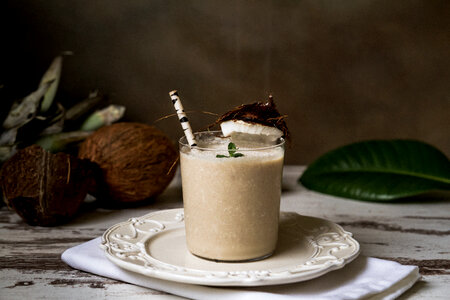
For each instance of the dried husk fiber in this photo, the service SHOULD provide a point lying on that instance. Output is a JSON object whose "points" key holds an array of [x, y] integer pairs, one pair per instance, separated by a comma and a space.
{"points": [[43, 188], [136, 161], [264, 113]]}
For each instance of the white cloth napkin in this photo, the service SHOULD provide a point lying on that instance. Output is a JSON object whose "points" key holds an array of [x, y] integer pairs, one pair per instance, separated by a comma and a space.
{"points": [[365, 277]]}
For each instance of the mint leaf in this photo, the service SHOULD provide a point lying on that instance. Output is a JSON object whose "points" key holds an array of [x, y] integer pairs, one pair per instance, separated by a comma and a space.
{"points": [[231, 149]]}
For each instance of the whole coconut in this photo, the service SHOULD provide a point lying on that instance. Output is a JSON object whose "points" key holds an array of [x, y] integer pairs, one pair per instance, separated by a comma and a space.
{"points": [[137, 161], [43, 188]]}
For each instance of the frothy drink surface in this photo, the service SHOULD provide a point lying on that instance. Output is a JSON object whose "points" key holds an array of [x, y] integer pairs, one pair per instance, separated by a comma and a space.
{"points": [[231, 204]]}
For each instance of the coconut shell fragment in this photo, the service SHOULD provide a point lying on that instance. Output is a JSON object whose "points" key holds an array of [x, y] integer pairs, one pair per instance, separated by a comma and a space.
{"points": [[43, 188], [264, 113], [136, 160]]}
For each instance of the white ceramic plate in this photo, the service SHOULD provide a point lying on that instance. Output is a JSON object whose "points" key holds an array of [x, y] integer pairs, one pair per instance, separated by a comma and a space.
{"points": [[154, 245]]}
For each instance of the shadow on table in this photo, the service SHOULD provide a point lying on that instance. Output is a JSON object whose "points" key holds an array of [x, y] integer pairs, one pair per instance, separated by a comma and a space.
{"points": [[95, 212]]}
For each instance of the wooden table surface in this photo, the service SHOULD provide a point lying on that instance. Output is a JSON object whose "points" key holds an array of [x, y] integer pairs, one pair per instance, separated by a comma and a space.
{"points": [[410, 233]]}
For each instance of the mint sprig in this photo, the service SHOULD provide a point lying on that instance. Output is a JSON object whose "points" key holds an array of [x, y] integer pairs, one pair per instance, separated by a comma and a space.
{"points": [[231, 151]]}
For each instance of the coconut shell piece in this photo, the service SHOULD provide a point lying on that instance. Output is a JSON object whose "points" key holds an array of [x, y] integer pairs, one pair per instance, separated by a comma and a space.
{"points": [[136, 160], [43, 188], [264, 113]]}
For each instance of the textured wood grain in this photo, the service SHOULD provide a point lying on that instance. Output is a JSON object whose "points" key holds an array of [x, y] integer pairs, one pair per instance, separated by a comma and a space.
{"points": [[410, 233]]}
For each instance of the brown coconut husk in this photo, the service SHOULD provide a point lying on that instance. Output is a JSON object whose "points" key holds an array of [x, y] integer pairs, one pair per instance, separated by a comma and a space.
{"points": [[264, 113], [43, 188], [136, 162]]}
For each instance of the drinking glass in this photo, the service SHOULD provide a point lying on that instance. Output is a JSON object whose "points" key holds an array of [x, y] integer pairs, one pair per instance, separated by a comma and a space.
{"points": [[231, 197]]}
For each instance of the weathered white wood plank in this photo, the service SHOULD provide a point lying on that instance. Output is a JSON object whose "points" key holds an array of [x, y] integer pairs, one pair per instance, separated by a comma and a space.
{"points": [[411, 233], [71, 285], [429, 288]]}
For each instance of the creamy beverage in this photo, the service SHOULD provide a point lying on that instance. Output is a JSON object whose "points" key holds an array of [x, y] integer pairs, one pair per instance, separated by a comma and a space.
{"points": [[231, 197]]}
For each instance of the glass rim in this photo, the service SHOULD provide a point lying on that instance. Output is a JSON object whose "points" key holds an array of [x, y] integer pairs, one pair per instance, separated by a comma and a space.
{"points": [[183, 142]]}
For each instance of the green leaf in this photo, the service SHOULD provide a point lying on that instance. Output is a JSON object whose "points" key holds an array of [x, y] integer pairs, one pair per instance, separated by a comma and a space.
{"points": [[231, 149], [51, 77], [24, 110], [83, 107], [103, 117], [60, 141], [379, 170]]}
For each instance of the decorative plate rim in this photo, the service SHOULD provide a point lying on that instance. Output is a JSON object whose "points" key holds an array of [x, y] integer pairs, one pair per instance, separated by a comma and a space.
{"points": [[129, 252]]}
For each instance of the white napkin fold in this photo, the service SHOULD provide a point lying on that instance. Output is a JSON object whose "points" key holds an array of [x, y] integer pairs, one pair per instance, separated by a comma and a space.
{"points": [[365, 277]]}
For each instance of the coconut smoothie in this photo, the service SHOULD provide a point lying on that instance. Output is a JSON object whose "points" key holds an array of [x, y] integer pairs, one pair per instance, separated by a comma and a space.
{"points": [[231, 197]]}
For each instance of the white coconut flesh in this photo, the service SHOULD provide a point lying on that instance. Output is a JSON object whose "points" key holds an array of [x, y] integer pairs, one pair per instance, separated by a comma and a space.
{"points": [[241, 131]]}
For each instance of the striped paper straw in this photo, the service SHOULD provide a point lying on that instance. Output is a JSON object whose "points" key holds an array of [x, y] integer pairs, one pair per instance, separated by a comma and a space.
{"points": [[183, 118]]}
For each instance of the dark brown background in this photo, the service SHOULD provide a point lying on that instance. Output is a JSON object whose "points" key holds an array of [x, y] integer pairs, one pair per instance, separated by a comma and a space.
{"points": [[343, 71]]}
